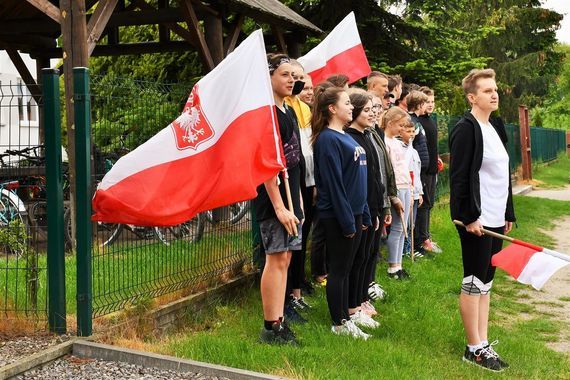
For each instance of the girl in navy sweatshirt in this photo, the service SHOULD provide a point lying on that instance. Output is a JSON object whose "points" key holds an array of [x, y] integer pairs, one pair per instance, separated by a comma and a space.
{"points": [[340, 176]]}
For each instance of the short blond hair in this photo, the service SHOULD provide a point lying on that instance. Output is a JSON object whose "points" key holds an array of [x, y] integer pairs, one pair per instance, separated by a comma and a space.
{"points": [[469, 83], [415, 99]]}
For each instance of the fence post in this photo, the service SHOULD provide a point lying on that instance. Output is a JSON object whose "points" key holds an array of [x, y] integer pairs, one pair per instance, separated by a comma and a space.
{"points": [[54, 189], [82, 108], [525, 144]]}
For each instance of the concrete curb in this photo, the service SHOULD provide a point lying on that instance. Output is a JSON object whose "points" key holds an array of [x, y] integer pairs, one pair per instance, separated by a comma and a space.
{"points": [[522, 189], [92, 350], [37, 359]]}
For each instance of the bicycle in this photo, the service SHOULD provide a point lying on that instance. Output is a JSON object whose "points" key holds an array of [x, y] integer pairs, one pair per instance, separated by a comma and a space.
{"points": [[13, 214]]}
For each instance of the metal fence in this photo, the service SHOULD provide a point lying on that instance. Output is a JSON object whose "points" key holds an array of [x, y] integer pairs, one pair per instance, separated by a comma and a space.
{"points": [[132, 264], [127, 264], [23, 223]]}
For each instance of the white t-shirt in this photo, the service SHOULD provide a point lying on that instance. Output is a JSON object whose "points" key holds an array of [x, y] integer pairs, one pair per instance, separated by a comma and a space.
{"points": [[493, 178]]}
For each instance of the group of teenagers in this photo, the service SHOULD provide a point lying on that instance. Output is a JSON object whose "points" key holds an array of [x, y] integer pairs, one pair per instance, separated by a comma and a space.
{"points": [[362, 164]]}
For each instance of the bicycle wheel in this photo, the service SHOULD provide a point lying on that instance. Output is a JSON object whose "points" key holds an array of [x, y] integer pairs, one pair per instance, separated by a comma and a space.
{"points": [[108, 233], [14, 222], [161, 234], [191, 230], [38, 217], [238, 211]]}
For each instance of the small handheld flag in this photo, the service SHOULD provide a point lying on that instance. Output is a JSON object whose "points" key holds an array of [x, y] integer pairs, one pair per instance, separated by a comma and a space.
{"points": [[528, 263]]}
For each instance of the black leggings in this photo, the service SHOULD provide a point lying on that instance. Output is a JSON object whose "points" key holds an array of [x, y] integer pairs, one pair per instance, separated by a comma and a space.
{"points": [[340, 256], [371, 257]]}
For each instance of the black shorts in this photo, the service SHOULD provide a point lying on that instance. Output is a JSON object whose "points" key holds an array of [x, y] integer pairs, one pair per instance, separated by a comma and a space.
{"points": [[477, 252], [275, 238]]}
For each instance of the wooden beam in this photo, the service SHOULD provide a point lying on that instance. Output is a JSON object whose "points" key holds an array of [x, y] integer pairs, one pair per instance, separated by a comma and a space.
{"points": [[47, 8], [214, 35], [278, 33], [30, 40], [194, 27], [98, 21], [231, 39], [25, 74], [125, 49]]}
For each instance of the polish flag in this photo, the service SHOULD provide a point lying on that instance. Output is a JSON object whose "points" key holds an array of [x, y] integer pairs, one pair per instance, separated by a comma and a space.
{"points": [[223, 145], [529, 263], [341, 52]]}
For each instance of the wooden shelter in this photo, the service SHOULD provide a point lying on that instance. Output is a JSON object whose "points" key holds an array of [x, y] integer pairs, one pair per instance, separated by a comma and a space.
{"points": [[73, 29]]}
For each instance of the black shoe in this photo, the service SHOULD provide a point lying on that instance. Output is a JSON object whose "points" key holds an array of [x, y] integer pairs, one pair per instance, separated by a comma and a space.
{"points": [[489, 348], [404, 274], [292, 316], [280, 333], [483, 358]]}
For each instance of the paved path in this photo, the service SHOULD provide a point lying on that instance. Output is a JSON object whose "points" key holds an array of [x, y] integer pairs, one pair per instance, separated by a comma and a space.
{"points": [[557, 194], [553, 298]]}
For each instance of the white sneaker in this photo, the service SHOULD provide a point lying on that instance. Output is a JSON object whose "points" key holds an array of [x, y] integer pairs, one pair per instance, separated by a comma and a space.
{"points": [[362, 319], [356, 331], [349, 328], [380, 292]]}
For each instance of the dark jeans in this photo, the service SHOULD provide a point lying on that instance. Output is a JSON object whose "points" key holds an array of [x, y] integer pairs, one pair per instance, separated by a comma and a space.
{"points": [[340, 257], [421, 232]]}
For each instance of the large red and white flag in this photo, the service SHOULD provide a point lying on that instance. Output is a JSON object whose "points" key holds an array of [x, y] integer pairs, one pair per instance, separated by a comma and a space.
{"points": [[530, 264], [223, 145], [341, 52]]}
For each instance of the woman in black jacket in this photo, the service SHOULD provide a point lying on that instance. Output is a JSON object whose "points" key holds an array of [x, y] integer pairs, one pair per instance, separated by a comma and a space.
{"points": [[481, 197]]}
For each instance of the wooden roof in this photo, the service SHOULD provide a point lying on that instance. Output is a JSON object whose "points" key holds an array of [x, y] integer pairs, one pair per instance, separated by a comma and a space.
{"points": [[22, 19]]}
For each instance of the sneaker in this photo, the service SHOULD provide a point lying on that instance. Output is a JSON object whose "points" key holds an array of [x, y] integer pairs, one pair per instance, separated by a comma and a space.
{"points": [[362, 319], [428, 245], [489, 348], [296, 304], [418, 254], [380, 292], [279, 334], [483, 358], [304, 303], [375, 292], [368, 309], [292, 316], [399, 275], [407, 254], [350, 329]]}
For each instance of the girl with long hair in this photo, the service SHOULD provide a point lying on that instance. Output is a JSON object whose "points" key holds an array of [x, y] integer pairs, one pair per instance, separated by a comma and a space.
{"points": [[340, 176]]}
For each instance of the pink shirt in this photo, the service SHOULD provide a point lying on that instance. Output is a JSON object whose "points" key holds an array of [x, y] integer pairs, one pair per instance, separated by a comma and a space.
{"points": [[397, 155]]}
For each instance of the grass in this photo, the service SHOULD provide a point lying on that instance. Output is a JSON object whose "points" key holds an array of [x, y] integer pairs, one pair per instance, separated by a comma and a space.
{"points": [[421, 335], [130, 272], [553, 175]]}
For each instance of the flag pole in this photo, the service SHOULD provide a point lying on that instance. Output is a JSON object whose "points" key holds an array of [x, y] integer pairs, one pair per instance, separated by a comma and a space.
{"points": [[520, 242]]}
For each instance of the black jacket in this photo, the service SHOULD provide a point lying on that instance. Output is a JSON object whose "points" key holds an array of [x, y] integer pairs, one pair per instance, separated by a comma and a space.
{"points": [[430, 127], [466, 156], [420, 143]]}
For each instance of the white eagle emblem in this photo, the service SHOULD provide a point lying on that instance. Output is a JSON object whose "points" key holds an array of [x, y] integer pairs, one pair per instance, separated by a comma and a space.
{"points": [[192, 128]]}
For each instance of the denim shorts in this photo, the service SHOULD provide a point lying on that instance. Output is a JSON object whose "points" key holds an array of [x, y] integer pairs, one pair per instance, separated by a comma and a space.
{"points": [[276, 239]]}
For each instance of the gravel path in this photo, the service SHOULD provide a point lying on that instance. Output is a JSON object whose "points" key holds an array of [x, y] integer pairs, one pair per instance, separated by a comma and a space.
{"points": [[71, 367], [17, 348]]}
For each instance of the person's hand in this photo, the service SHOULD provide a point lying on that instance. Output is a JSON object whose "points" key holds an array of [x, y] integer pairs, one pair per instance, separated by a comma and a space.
{"points": [[388, 219], [288, 220], [508, 227], [398, 206], [475, 228], [421, 201], [364, 227], [376, 224], [349, 236]]}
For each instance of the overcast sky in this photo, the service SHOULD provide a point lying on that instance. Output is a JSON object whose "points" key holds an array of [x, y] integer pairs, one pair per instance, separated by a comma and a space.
{"points": [[563, 7]]}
